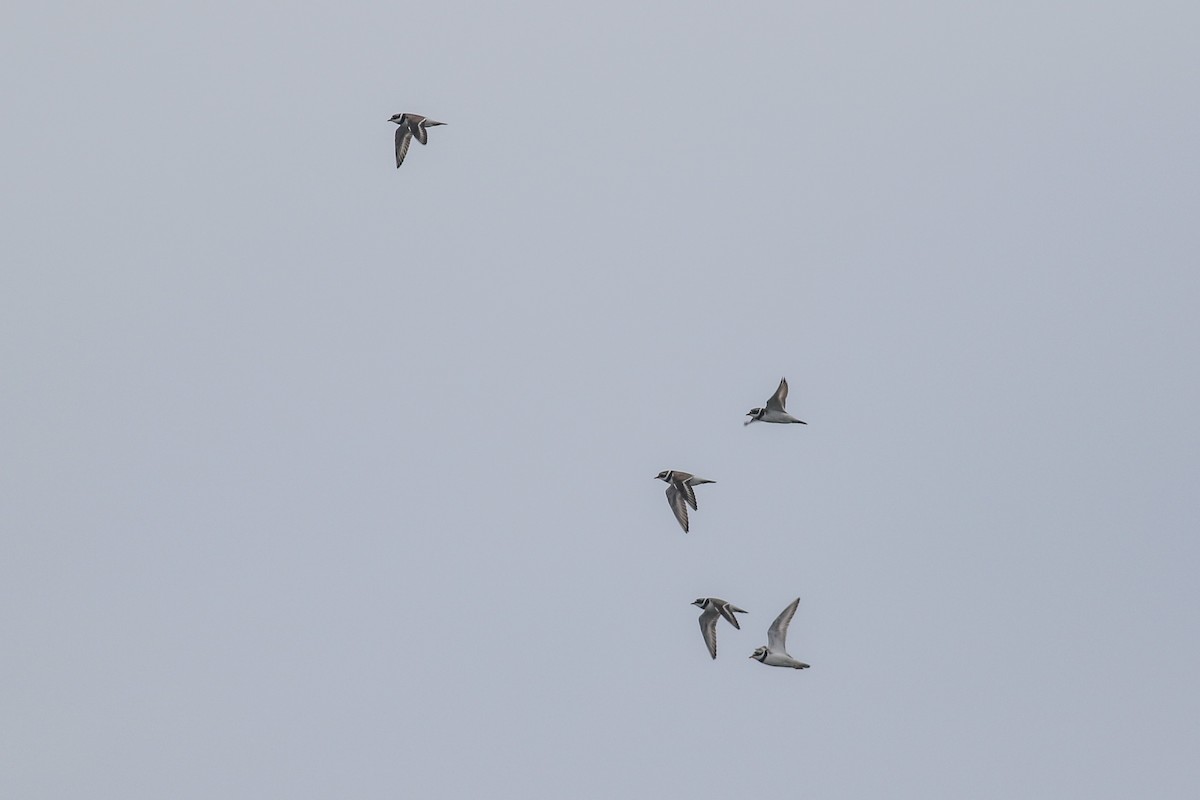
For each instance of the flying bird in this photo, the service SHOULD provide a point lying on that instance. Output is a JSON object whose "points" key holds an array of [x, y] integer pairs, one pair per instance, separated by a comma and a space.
{"points": [[711, 609], [680, 494], [410, 125], [774, 412], [775, 653]]}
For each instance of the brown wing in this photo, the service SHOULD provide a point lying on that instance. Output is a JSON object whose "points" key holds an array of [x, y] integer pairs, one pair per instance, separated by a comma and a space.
{"points": [[678, 506], [708, 627], [689, 494], [403, 139], [727, 610]]}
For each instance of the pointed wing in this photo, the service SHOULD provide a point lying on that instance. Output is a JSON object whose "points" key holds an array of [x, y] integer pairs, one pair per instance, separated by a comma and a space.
{"points": [[403, 139], [689, 494], [678, 505], [708, 627], [777, 633], [779, 399], [727, 610], [419, 131]]}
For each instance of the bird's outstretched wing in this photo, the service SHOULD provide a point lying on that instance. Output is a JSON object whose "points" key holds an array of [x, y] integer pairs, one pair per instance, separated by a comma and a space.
{"points": [[678, 505], [777, 633], [403, 139], [708, 627], [778, 401]]}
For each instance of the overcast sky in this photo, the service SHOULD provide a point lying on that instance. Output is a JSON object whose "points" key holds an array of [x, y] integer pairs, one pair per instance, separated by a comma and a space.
{"points": [[326, 479]]}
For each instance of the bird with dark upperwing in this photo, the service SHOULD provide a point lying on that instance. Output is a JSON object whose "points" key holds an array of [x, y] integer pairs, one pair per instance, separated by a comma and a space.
{"points": [[410, 126], [680, 494], [712, 609]]}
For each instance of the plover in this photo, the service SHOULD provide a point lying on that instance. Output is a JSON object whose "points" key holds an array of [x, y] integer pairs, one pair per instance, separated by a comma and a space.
{"points": [[774, 412], [712, 609], [775, 653], [680, 494], [410, 125]]}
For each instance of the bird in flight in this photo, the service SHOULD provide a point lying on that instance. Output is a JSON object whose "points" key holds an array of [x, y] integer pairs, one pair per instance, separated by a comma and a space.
{"points": [[775, 410], [712, 609], [775, 654], [410, 125], [680, 494]]}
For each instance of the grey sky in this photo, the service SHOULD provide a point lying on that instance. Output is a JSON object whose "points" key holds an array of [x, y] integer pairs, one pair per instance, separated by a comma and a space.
{"points": [[327, 479]]}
